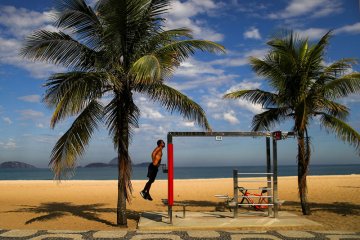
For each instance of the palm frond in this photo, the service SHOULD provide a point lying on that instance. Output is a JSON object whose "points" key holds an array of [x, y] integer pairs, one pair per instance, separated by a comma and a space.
{"points": [[80, 19], [342, 130], [343, 86], [255, 96], [316, 52], [114, 112], [58, 48], [128, 23], [146, 70], [334, 109], [174, 100], [72, 143], [269, 69], [339, 67], [266, 120], [185, 48], [285, 47], [70, 92]]}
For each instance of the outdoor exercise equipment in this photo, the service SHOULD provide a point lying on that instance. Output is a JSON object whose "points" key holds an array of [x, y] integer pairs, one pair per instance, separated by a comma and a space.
{"points": [[271, 176]]}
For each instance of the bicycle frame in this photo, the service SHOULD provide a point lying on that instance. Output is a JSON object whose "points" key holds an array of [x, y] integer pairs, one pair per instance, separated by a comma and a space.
{"points": [[260, 205]]}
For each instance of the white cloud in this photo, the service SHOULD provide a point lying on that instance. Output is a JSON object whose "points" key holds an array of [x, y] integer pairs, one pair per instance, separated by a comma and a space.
{"points": [[194, 74], [254, 108], [352, 29], [193, 68], [244, 85], [242, 60], [353, 98], [40, 125], [187, 124], [252, 33], [203, 82], [148, 110], [20, 21], [10, 144], [311, 33], [181, 15], [317, 33], [30, 114], [7, 120], [30, 98], [151, 130], [45, 138], [313, 8], [151, 113], [16, 24], [231, 117]]}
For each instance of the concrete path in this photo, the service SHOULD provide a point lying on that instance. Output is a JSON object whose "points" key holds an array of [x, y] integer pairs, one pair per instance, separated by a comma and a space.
{"points": [[159, 221], [173, 235]]}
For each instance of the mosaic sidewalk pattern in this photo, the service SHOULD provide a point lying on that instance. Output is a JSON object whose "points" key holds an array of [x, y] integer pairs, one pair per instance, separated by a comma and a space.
{"points": [[173, 235]]}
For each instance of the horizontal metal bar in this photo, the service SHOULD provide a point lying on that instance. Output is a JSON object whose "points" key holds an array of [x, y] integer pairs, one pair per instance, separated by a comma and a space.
{"points": [[253, 181], [254, 196], [256, 173], [255, 204], [224, 134], [256, 188]]}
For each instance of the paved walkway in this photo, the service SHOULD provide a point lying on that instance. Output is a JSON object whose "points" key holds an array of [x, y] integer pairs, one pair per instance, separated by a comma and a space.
{"points": [[174, 235], [222, 221]]}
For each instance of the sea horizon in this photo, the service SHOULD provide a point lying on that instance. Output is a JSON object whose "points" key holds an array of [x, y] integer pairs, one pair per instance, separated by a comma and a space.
{"points": [[196, 172]]}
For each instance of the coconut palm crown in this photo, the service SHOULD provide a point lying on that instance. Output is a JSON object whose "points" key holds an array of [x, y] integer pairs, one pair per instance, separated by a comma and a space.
{"points": [[304, 89], [115, 49]]}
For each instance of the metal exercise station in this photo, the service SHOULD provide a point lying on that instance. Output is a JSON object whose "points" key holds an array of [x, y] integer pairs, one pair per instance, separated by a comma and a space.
{"points": [[271, 173]]}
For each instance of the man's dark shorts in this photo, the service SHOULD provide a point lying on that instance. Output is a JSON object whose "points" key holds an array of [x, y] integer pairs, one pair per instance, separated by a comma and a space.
{"points": [[152, 172]]}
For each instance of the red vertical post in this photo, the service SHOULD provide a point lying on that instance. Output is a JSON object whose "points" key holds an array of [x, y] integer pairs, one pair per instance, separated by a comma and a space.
{"points": [[170, 174]]}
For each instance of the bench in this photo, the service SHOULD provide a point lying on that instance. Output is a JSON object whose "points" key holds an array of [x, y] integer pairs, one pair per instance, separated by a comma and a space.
{"points": [[183, 205]]}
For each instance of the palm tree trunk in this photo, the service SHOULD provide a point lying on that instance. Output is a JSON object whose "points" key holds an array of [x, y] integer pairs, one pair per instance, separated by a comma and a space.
{"points": [[124, 165], [303, 160], [121, 218]]}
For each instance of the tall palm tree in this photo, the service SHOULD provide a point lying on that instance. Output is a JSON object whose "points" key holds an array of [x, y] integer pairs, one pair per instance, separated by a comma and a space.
{"points": [[115, 49], [304, 89]]}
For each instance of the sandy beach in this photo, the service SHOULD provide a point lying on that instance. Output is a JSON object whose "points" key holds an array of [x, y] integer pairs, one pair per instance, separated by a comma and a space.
{"points": [[84, 205]]}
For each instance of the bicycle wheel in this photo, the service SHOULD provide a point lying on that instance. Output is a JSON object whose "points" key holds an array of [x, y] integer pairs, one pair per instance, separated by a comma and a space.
{"points": [[244, 200], [262, 207]]}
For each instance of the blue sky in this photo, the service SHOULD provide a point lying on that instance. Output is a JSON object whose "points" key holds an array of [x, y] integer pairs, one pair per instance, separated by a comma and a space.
{"points": [[243, 27]]}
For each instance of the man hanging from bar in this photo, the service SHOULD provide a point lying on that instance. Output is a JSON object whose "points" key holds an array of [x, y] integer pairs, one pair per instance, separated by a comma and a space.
{"points": [[153, 169]]}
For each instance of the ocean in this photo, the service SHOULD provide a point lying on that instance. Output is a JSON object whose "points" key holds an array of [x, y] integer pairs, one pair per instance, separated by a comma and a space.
{"points": [[139, 173]]}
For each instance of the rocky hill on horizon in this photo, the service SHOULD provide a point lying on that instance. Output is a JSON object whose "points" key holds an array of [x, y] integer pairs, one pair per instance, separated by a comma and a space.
{"points": [[113, 163], [16, 164]]}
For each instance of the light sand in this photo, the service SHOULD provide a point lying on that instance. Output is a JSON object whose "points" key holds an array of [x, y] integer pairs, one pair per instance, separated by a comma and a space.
{"points": [[84, 205]]}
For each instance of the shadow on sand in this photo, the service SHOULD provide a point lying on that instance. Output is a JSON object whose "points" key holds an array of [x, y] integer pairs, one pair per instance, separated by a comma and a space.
{"points": [[54, 210], [341, 208], [218, 206]]}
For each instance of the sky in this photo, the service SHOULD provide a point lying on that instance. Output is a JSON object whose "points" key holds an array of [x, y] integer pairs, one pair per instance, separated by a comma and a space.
{"points": [[243, 27]]}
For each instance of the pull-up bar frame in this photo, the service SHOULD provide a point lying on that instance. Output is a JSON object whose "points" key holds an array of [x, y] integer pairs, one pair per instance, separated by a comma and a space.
{"points": [[275, 135]]}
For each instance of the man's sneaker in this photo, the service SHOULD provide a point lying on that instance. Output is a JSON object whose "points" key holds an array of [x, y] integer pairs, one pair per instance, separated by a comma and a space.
{"points": [[148, 197], [143, 194]]}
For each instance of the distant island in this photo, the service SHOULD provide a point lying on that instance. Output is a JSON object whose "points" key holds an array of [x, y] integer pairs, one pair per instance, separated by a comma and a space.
{"points": [[15, 164], [97, 165], [113, 163]]}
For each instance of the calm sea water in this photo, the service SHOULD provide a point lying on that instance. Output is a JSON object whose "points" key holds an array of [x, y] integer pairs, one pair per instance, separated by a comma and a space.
{"points": [[139, 173]]}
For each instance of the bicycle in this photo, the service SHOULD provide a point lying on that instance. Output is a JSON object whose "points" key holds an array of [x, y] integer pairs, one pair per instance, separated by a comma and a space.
{"points": [[247, 199]]}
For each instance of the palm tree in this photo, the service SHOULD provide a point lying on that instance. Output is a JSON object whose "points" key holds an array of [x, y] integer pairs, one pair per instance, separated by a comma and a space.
{"points": [[304, 89], [115, 49]]}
